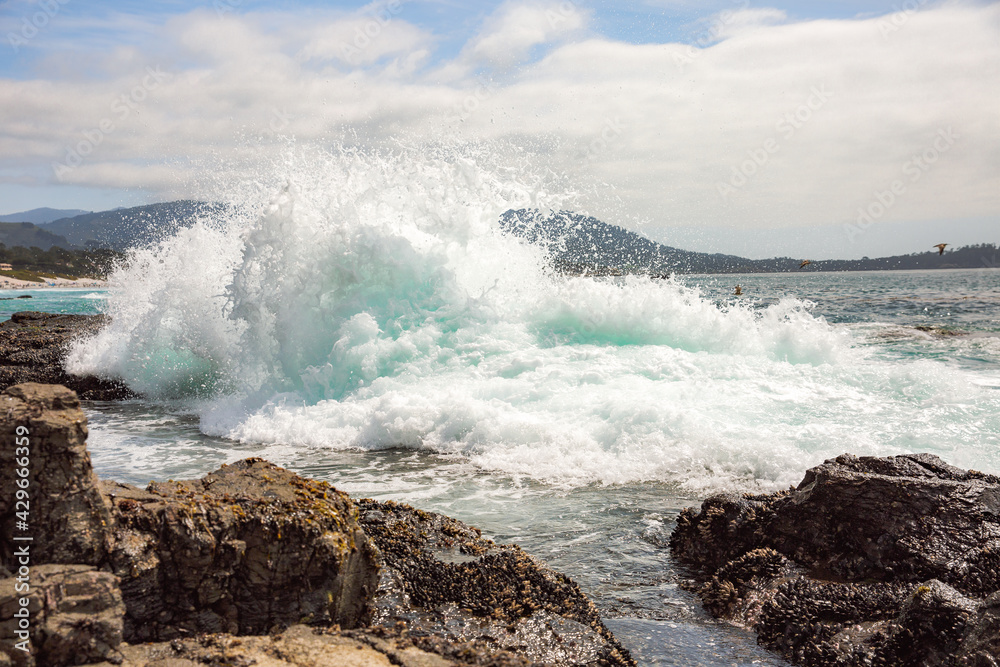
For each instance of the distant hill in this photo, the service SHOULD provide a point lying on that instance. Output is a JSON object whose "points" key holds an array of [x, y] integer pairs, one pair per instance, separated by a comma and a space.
{"points": [[584, 245], [577, 244], [35, 264], [127, 227], [983, 255], [28, 235], [41, 216]]}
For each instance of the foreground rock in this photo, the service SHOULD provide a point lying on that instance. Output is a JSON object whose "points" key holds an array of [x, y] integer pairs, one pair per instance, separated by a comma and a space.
{"points": [[875, 561], [247, 548], [32, 347], [303, 646], [197, 572], [441, 578], [75, 615], [67, 517]]}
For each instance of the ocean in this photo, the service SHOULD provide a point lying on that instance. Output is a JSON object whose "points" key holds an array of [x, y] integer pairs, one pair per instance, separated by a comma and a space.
{"points": [[366, 324]]}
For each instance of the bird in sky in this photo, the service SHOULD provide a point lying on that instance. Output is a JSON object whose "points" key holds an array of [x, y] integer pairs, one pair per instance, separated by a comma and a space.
{"points": [[805, 263], [941, 247]]}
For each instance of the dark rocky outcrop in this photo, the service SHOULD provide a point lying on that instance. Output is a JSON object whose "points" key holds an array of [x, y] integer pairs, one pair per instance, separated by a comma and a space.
{"points": [[203, 569], [877, 561], [441, 578], [32, 347], [244, 549], [68, 519]]}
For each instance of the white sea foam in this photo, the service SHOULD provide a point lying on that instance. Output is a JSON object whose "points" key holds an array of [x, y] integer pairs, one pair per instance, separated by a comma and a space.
{"points": [[371, 303]]}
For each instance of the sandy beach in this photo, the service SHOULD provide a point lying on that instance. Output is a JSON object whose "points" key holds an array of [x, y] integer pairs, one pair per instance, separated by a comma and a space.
{"points": [[14, 283]]}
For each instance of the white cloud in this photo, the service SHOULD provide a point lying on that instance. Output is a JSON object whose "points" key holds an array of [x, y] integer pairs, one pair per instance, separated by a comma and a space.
{"points": [[364, 40], [517, 27], [664, 125], [730, 23], [125, 175]]}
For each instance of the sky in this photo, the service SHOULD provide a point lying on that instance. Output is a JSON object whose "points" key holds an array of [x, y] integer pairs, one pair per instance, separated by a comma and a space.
{"points": [[804, 129]]}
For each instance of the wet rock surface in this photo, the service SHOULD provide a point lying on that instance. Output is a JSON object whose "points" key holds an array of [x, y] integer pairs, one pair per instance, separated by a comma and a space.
{"points": [[440, 578], [873, 561], [198, 572], [32, 346]]}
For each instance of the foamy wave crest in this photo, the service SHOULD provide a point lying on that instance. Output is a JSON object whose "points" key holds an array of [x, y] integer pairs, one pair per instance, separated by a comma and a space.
{"points": [[371, 302]]}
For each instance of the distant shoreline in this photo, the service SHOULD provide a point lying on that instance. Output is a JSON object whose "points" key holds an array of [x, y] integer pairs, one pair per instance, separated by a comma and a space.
{"points": [[53, 283], [829, 271]]}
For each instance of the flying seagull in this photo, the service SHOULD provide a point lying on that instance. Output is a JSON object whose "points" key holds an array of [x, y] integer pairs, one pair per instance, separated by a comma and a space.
{"points": [[941, 247], [805, 263]]}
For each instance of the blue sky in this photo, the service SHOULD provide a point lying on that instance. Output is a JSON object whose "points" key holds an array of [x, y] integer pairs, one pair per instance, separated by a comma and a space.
{"points": [[667, 102], [88, 25]]}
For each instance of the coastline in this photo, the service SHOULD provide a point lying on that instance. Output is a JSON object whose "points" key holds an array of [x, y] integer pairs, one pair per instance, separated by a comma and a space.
{"points": [[52, 283]]}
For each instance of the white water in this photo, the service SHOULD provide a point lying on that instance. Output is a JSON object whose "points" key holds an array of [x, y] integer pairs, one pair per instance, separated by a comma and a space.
{"points": [[369, 302]]}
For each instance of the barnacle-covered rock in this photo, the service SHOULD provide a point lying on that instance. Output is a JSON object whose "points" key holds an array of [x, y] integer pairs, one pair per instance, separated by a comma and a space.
{"points": [[440, 578], [881, 561], [246, 548]]}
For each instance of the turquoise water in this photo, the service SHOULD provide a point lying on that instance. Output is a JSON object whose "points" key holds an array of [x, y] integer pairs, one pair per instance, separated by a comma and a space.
{"points": [[51, 300]]}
